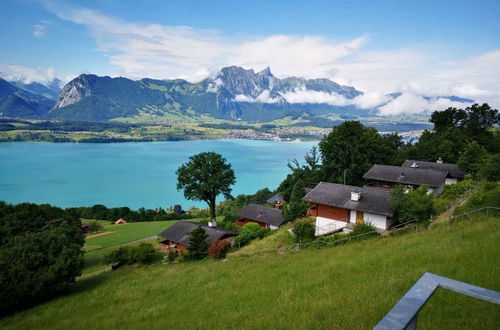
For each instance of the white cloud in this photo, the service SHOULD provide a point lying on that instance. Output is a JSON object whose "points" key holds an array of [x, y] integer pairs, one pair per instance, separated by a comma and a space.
{"points": [[26, 74], [409, 104], [158, 51], [39, 31]]}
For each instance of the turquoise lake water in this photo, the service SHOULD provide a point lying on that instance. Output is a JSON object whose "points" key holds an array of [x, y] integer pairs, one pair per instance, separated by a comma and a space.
{"points": [[132, 174]]}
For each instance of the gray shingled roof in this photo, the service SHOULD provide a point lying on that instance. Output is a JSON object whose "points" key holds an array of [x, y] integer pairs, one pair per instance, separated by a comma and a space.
{"points": [[372, 200], [406, 175], [179, 232], [261, 213], [452, 169]]}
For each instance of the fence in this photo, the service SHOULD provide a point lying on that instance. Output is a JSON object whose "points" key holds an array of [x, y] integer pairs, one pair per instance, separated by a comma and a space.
{"points": [[398, 229], [404, 315]]}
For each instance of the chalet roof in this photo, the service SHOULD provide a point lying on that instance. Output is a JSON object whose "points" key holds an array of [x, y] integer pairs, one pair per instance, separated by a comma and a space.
{"points": [[452, 169], [261, 213], [275, 198], [179, 232], [406, 175], [372, 200]]}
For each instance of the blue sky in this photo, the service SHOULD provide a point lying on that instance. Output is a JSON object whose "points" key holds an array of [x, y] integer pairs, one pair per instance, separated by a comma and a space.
{"points": [[419, 47]]}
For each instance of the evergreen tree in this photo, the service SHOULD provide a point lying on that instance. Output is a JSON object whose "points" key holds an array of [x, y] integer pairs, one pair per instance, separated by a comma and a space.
{"points": [[198, 244]]}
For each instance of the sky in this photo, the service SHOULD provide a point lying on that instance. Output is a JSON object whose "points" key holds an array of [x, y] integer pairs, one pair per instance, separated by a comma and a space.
{"points": [[419, 48]]}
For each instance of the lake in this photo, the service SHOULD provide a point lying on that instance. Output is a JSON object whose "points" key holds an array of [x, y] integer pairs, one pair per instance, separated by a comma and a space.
{"points": [[132, 174]]}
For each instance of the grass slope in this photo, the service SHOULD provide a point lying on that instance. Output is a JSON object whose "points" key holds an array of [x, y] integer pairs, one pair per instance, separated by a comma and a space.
{"points": [[347, 287], [97, 247]]}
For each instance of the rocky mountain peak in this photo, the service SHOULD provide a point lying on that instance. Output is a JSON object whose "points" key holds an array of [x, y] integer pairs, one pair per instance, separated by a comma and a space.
{"points": [[76, 90]]}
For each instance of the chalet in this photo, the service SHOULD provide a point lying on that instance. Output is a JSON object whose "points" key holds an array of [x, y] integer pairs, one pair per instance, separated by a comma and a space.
{"points": [[454, 173], [387, 177], [176, 237], [265, 216], [120, 221], [335, 206]]}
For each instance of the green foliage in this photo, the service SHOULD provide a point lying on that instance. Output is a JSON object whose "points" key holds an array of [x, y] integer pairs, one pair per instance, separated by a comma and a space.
{"points": [[95, 226], [487, 195], [143, 253], [491, 168], [198, 244], [450, 193], [171, 256], [249, 232], [304, 232], [204, 177], [351, 149], [292, 211], [40, 253], [472, 158], [413, 204], [231, 207], [218, 249], [362, 228]]}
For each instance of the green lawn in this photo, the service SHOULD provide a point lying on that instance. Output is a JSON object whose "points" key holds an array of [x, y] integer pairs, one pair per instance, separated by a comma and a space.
{"points": [[344, 287]]}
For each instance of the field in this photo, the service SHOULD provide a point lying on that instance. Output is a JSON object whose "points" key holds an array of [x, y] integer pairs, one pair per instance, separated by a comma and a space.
{"points": [[345, 287]]}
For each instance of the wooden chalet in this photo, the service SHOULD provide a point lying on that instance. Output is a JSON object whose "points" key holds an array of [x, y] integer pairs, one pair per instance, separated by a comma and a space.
{"points": [[176, 237], [335, 206], [277, 200], [388, 177], [264, 216], [454, 175]]}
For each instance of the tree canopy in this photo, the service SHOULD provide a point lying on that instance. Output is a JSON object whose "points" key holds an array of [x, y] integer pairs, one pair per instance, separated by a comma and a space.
{"points": [[204, 177], [40, 253]]}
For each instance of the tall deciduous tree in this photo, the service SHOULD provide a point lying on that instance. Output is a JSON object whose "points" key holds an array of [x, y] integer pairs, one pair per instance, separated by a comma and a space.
{"points": [[472, 158], [204, 177], [351, 149]]}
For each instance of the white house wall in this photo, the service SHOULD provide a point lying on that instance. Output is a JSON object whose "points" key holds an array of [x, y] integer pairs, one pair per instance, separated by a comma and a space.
{"points": [[325, 225], [352, 216], [450, 181], [376, 220]]}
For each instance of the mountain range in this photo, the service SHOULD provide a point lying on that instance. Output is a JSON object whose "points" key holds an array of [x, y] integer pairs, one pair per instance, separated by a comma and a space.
{"points": [[233, 93]]}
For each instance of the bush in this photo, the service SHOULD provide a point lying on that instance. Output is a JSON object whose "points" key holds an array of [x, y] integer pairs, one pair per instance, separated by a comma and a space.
{"points": [[362, 228], [414, 204], [95, 226], [218, 249], [294, 210], [249, 232], [143, 253], [304, 232], [171, 256]]}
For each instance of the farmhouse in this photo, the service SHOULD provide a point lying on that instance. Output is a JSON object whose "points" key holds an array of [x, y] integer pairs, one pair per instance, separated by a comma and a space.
{"points": [[454, 173], [120, 221], [335, 206], [176, 237], [265, 216], [387, 177]]}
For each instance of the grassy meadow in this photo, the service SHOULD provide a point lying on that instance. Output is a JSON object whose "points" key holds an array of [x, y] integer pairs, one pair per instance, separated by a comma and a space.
{"points": [[344, 287], [97, 246]]}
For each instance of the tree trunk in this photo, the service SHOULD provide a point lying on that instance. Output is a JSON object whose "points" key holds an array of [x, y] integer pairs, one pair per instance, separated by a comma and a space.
{"points": [[212, 209]]}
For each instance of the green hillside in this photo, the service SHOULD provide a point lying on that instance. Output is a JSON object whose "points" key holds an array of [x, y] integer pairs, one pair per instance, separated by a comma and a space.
{"points": [[347, 287]]}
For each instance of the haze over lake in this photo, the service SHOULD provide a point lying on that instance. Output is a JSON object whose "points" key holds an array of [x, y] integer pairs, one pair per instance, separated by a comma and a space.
{"points": [[132, 174]]}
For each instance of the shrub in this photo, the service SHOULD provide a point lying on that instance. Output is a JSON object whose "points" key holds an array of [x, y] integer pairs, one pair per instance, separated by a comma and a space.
{"points": [[249, 232], [143, 253], [218, 249], [294, 210], [171, 256], [304, 232], [415, 204], [95, 226], [362, 228]]}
